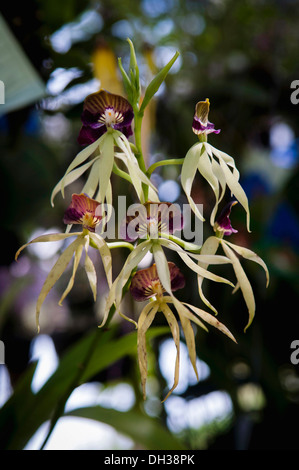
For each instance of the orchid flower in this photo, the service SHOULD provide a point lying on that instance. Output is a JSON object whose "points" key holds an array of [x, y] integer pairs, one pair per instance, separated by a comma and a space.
{"points": [[223, 227], [106, 123], [84, 211], [152, 217], [146, 285], [217, 167]]}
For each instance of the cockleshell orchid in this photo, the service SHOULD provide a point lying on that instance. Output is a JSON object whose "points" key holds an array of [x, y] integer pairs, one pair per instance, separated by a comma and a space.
{"points": [[148, 223], [217, 167], [106, 124], [146, 285], [84, 211]]}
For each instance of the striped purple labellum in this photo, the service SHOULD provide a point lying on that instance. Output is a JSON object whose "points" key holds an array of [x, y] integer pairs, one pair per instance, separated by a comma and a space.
{"points": [[84, 211], [102, 110], [146, 283]]}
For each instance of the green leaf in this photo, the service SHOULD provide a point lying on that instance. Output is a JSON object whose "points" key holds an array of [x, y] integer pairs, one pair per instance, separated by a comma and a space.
{"points": [[157, 81], [146, 431], [25, 412]]}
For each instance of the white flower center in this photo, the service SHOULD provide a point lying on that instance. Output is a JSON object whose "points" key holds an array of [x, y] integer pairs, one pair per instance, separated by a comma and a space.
{"points": [[111, 117]]}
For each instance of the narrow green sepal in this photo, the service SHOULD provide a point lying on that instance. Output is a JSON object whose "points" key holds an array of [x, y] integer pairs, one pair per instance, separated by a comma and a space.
{"points": [[157, 81]]}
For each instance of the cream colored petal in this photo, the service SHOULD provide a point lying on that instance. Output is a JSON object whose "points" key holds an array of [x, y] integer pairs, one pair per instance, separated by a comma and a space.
{"points": [[92, 181], [105, 255], [236, 190], [183, 311], [189, 338], [115, 292], [145, 320], [162, 266], [206, 169], [55, 274], [192, 265], [207, 317], [81, 157], [136, 181], [188, 173], [209, 247], [175, 330], [51, 237], [77, 258], [137, 176], [70, 178], [243, 282], [90, 270], [251, 256], [106, 164]]}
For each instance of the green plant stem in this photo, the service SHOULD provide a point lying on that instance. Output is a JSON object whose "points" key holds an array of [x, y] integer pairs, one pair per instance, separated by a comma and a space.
{"points": [[185, 245], [120, 245], [170, 161], [138, 116], [117, 171]]}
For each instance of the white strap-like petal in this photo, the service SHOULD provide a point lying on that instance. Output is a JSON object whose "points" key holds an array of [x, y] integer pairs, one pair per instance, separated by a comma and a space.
{"points": [[175, 331], [56, 273], [145, 320], [243, 282]]}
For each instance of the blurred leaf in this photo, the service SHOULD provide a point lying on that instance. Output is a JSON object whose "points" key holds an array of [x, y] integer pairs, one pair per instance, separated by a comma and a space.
{"points": [[141, 428], [24, 412]]}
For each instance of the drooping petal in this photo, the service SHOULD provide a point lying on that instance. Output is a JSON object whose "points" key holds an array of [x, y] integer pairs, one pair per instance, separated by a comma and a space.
{"points": [[137, 176], [115, 292], [175, 331], [251, 256], [186, 257], [209, 247], [243, 282], [231, 178], [162, 266], [90, 270], [77, 257], [73, 176], [144, 322], [106, 165], [51, 237], [56, 273], [207, 317], [105, 255], [189, 169], [80, 158], [189, 338]]}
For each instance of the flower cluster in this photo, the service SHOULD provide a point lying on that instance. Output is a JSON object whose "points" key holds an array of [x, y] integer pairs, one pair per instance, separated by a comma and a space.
{"points": [[108, 122]]}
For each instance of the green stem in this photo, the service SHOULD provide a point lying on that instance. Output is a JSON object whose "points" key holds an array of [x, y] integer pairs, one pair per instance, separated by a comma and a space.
{"points": [[138, 116], [117, 171], [120, 245], [186, 245], [170, 161]]}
